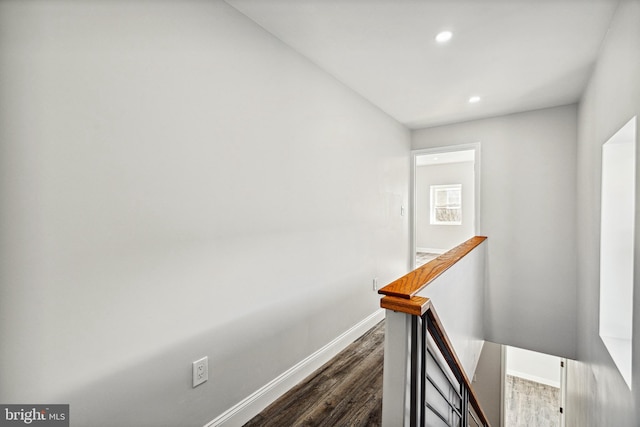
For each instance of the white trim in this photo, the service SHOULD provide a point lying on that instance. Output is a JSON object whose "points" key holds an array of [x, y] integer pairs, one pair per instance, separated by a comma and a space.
{"points": [[251, 406], [563, 392], [431, 250], [412, 188], [503, 379]]}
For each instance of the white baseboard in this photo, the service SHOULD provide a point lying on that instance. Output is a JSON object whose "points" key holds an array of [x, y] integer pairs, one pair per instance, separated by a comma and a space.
{"points": [[253, 404], [431, 250]]}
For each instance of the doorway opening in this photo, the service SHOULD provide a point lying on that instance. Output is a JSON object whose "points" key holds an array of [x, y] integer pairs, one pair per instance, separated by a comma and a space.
{"points": [[533, 388], [444, 199]]}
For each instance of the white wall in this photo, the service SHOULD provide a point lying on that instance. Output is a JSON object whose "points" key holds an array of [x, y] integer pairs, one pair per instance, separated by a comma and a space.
{"points": [[462, 317], [533, 366], [487, 381], [597, 393], [178, 183], [617, 238], [527, 196], [444, 237]]}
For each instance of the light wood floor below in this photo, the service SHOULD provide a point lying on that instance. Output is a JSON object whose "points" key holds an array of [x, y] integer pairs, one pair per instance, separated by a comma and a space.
{"points": [[531, 404]]}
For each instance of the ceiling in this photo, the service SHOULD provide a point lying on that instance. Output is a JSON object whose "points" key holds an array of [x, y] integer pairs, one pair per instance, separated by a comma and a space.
{"points": [[517, 55]]}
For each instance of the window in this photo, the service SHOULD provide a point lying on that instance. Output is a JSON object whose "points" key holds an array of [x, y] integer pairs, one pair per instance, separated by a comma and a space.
{"points": [[617, 239], [446, 204]]}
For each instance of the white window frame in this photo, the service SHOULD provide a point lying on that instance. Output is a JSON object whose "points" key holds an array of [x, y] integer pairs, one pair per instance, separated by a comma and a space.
{"points": [[435, 188], [617, 240]]}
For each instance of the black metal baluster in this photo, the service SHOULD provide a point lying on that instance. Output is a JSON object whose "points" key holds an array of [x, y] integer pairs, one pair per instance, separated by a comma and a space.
{"points": [[415, 376]]}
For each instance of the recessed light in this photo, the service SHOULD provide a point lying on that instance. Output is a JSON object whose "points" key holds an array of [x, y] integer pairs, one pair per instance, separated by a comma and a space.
{"points": [[474, 99], [444, 36]]}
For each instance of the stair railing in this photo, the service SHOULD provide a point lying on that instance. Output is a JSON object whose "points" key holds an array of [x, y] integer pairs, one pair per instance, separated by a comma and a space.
{"points": [[438, 392]]}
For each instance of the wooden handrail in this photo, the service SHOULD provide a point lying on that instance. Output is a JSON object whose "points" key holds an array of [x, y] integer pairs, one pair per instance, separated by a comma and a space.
{"points": [[411, 283], [416, 306]]}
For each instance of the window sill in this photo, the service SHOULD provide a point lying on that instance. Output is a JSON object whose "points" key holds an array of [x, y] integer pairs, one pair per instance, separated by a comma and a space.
{"points": [[620, 351]]}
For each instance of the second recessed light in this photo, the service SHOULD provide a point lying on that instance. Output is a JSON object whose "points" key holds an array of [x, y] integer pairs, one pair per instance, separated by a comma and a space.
{"points": [[444, 36], [474, 99]]}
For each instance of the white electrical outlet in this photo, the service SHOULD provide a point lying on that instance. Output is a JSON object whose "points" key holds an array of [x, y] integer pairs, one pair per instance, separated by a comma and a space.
{"points": [[375, 283], [200, 371]]}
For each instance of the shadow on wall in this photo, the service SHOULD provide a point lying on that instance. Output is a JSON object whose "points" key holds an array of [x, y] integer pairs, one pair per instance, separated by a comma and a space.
{"points": [[157, 391]]}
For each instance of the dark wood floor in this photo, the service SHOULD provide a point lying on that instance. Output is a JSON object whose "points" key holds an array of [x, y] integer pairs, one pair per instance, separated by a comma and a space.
{"points": [[345, 392]]}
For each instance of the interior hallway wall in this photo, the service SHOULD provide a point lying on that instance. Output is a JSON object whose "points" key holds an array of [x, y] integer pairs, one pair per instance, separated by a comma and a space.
{"points": [[444, 237], [528, 207], [177, 183], [597, 393]]}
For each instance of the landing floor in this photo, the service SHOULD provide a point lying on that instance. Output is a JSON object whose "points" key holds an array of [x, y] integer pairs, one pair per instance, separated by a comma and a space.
{"points": [[346, 391]]}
